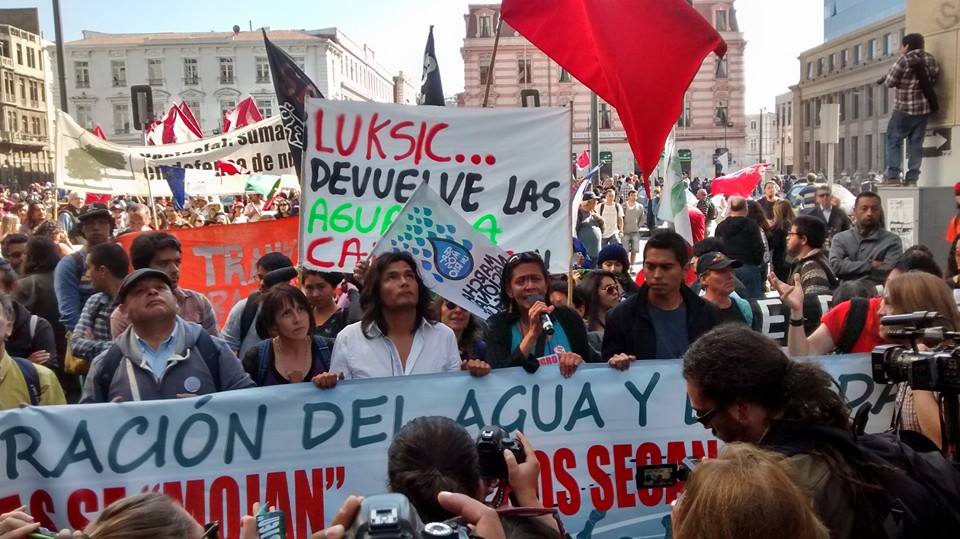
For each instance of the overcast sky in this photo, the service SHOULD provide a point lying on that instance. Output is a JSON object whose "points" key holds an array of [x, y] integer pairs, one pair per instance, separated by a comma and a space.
{"points": [[776, 30]]}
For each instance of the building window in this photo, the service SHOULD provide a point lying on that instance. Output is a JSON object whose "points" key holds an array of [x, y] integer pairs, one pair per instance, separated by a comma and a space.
{"points": [[720, 18], [816, 157], [155, 72], [819, 67], [722, 68], [121, 118], [226, 70], [855, 105], [564, 75], [263, 70], [753, 125], [831, 62], [854, 154], [868, 153], [753, 144], [84, 116], [886, 99], [844, 58], [816, 113], [19, 54], [605, 122], [809, 70], [871, 49], [31, 58], [523, 67], [686, 115], [868, 92], [191, 71], [857, 54], [841, 154], [888, 46], [720, 118], [23, 90], [485, 26], [484, 73], [81, 72], [118, 73], [266, 107], [790, 113]]}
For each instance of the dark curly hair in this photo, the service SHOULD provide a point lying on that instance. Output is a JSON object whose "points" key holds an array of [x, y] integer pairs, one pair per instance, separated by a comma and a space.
{"points": [[372, 303], [732, 363]]}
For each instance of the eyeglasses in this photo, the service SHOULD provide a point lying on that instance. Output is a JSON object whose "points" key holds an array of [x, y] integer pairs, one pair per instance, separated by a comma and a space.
{"points": [[211, 530], [611, 289], [708, 416]]}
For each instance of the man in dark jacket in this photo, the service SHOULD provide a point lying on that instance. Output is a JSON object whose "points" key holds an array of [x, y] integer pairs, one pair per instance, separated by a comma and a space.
{"points": [[31, 337], [664, 317], [741, 240], [835, 217]]}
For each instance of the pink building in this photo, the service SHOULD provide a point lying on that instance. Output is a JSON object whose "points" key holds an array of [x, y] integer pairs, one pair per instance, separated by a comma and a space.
{"points": [[716, 93]]}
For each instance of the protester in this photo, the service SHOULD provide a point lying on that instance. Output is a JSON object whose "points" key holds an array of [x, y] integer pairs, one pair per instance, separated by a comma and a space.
{"points": [[36, 214], [664, 317], [833, 216], [329, 319], [240, 330], [72, 286], [465, 326], [755, 495], [613, 258], [743, 241], [589, 225], [162, 251], [9, 224], [603, 293], [294, 353], [867, 250], [783, 217], [107, 266], [397, 335], [769, 199], [138, 219], [160, 356], [913, 75], [55, 233], [755, 213], [13, 248], [35, 289], [559, 298], [612, 214], [804, 243], [23, 382], [67, 217], [30, 336], [118, 209], [699, 249], [717, 283], [634, 219]]}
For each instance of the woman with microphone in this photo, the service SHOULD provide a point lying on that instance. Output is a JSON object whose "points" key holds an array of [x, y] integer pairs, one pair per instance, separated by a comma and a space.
{"points": [[527, 332]]}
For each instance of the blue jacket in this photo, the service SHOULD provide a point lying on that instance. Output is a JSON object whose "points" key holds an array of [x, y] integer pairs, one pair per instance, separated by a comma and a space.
{"points": [[72, 287]]}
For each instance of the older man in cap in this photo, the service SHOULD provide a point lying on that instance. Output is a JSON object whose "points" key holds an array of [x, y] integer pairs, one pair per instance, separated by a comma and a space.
{"points": [[717, 284], [68, 214], [160, 356], [70, 280]]}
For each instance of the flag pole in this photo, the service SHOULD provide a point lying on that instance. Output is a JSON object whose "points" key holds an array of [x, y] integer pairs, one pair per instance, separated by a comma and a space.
{"points": [[570, 216], [153, 203], [493, 58]]}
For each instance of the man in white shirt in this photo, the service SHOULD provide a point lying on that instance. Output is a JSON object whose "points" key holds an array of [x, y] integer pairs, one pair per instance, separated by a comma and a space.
{"points": [[612, 213], [397, 335]]}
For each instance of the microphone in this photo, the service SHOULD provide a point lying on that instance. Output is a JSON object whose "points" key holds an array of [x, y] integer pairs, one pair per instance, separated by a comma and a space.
{"points": [[911, 319], [545, 322]]}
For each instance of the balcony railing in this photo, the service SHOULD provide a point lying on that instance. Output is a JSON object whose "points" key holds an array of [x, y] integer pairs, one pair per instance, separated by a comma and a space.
{"points": [[83, 83], [227, 80], [191, 81], [119, 83]]}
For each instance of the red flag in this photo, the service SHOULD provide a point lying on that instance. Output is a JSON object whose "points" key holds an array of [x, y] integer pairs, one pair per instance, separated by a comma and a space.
{"points": [[246, 112], [98, 132], [228, 167], [190, 119], [740, 183], [638, 55], [583, 161], [96, 198]]}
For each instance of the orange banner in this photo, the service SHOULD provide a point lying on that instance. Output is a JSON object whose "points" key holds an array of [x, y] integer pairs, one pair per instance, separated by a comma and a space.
{"points": [[220, 261]]}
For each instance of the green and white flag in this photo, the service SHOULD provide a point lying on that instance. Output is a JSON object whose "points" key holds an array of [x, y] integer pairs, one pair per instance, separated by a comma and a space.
{"points": [[262, 184], [673, 197]]}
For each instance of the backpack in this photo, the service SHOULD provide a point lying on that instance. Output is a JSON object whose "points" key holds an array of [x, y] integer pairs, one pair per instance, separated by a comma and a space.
{"points": [[856, 320], [208, 349], [926, 86], [248, 314], [31, 377], [918, 492]]}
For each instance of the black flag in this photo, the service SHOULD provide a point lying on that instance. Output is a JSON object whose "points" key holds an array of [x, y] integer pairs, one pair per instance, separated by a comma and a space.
{"points": [[431, 90], [292, 86]]}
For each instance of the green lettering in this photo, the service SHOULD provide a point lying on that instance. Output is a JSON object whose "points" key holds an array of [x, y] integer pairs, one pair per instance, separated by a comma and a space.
{"points": [[389, 217], [373, 221], [340, 220], [318, 213], [487, 225]]}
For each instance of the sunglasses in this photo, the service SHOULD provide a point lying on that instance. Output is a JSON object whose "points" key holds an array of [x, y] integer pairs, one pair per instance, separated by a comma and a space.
{"points": [[451, 305], [611, 289], [708, 416], [520, 258], [211, 530]]}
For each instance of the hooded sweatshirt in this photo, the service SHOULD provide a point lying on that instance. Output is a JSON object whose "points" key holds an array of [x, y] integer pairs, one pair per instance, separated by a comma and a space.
{"points": [[741, 239]]}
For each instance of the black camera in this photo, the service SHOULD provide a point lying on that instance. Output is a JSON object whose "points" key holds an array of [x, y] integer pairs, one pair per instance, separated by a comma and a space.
{"points": [[490, 445], [665, 475], [937, 370], [392, 516]]}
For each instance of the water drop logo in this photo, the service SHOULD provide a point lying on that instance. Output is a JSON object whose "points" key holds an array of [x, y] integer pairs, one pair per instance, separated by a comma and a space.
{"points": [[441, 254]]}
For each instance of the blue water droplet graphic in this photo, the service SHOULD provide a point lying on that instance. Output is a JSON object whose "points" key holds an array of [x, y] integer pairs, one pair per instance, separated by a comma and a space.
{"points": [[428, 222], [427, 211], [420, 241], [438, 278], [452, 229]]}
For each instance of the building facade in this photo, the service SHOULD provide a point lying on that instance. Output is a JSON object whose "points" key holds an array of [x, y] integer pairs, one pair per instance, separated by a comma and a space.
{"points": [[841, 17], [761, 134], [783, 139], [25, 149], [713, 110], [211, 72], [845, 71]]}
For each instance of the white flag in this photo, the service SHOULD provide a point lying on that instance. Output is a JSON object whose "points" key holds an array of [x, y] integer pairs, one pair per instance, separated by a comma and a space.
{"points": [[673, 198]]}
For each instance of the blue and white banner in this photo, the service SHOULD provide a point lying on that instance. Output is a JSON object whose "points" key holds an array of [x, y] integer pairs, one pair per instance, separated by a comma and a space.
{"points": [[304, 449], [456, 262]]}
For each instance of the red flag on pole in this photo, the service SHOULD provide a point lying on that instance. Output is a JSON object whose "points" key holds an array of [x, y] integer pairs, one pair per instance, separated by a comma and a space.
{"points": [[98, 132], [190, 119], [740, 183], [246, 112], [583, 160], [638, 55]]}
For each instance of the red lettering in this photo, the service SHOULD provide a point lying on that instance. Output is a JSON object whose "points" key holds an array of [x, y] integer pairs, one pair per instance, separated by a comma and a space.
{"points": [[396, 134], [40, 503], [225, 505], [346, 252], [112, 494], [601, 494], [311, 249], [309, 500], [253, 492], [418, 154], [622, 475], [318, 127], [11, 503], [649, 453], [278, 495], [546, 479], [428, 144], [81, 503], [372, 136], [567, 502], [341, 120], [195, 501]]}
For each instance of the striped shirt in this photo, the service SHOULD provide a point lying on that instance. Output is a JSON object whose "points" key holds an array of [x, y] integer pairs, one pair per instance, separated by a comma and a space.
{"points": [[92, 335], [909, 98], [813, 273]]}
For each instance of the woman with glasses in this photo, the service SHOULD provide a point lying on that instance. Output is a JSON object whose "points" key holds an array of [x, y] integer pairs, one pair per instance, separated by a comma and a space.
{"points": [[516, 336], [603, 293], [464, 325]]}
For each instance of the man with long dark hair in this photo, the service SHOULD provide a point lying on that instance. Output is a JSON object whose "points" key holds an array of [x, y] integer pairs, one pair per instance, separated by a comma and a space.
{"points": [[397, 334]]}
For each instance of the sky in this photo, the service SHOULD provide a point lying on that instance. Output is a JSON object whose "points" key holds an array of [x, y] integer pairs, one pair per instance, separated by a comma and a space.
{"points": [[776, 30]]}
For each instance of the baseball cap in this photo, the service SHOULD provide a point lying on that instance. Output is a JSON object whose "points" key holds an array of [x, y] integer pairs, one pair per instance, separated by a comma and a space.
{"points": [[94, 210], [715, 260], [589, 195], [138, 275]]}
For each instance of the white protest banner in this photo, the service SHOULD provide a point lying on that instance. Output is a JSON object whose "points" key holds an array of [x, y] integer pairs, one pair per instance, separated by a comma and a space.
{"points": [[86, 163], [304, 449], [505, 171], [456, 262]]}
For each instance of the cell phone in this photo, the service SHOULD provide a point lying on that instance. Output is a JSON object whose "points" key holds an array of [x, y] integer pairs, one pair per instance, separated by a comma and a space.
{"points": [[665, 475]]}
